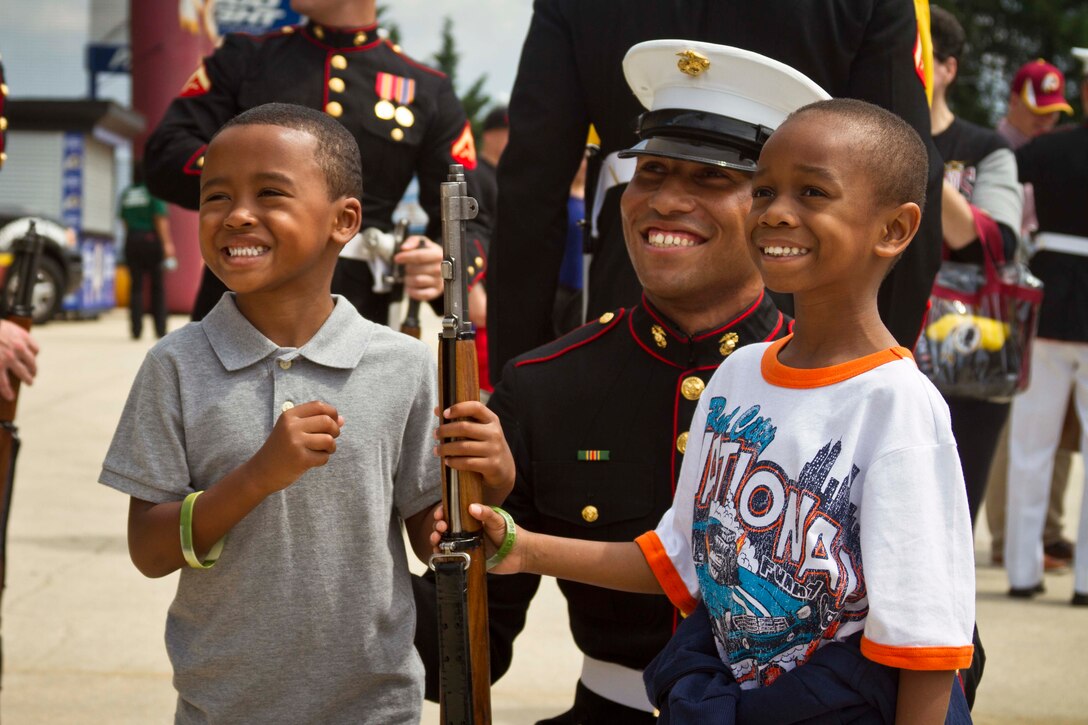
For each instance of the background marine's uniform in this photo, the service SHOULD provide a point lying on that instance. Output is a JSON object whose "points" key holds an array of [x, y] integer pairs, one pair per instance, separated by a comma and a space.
{"points": [[404, 116]]}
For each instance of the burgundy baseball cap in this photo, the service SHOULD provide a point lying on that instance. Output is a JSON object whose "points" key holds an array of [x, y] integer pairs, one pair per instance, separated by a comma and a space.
{"points": [[1041, 87]]}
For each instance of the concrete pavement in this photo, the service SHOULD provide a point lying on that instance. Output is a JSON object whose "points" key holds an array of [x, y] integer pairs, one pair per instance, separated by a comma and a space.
{"points": [[83, 630]]}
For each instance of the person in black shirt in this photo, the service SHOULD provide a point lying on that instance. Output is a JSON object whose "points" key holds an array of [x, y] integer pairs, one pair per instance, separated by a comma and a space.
{"points": [[979, 178]]}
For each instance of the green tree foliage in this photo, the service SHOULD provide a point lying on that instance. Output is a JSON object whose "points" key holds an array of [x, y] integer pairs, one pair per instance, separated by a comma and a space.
{"points": [[1004, 34], [473, 99], [391, 28]]}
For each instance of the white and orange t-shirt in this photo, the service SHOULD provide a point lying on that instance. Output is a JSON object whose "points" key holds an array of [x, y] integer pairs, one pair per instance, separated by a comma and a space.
{"points": [[814, 504]]}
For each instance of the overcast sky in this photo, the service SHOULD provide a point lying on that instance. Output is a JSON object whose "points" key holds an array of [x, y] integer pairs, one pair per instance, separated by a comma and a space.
{"points": [[42, 42]]}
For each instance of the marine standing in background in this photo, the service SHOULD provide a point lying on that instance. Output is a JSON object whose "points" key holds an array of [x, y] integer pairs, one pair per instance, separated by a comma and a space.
{"points": [[570, 75], [404, 116]]}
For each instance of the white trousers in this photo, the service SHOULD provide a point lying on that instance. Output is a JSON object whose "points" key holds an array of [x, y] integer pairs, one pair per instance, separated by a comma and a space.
{"points": [[1057, 368]]}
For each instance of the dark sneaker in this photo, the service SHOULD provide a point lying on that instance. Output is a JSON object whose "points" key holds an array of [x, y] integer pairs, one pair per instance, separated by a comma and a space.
{"points": [[1060, 549], [1026, 592], [1080, 600]]}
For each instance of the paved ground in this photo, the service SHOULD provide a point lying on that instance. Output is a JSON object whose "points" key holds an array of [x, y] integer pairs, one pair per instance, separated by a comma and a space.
{"points": [[83, 630]]}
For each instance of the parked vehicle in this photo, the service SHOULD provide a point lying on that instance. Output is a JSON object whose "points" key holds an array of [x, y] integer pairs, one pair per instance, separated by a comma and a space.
{"points": [[60, 271]]}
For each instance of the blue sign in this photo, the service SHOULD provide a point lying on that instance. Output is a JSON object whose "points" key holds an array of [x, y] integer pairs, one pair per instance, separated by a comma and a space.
{"points": [[71, 190], [96, 294], [109, 58], [253, 16]]}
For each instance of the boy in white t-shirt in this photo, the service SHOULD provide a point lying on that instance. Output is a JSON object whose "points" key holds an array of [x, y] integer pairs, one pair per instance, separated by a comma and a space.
{"points": [[821, 494]]}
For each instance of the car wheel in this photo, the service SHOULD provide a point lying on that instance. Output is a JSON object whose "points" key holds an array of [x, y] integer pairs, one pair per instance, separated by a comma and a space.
{"points": [[47, 294]]}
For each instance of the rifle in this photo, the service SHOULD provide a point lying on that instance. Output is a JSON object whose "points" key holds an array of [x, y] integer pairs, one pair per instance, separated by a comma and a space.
{"points": [[461, 568], [18, 308], [385, 245]]}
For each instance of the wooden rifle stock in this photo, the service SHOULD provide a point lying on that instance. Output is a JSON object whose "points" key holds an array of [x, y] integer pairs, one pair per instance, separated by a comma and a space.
{"points": [[19, 310], [461, 567]]}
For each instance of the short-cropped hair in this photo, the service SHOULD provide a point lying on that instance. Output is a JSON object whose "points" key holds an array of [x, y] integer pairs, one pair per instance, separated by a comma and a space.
{"points": [[947, 34], [337, 153], [888, 147]]}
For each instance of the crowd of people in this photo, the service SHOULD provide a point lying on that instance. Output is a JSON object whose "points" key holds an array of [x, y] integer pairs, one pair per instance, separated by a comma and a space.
{"points": [[744, 248]]}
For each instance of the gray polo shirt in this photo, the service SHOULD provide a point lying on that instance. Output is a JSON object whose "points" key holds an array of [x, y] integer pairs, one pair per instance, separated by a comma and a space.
{"points": [[308, 615]]}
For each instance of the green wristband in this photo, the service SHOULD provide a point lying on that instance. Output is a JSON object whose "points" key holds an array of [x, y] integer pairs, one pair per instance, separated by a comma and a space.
{"points": [[507, 542], [187, 537]]}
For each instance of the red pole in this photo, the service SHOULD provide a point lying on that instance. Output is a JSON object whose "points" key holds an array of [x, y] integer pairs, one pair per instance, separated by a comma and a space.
{"points": [[164, 55]]}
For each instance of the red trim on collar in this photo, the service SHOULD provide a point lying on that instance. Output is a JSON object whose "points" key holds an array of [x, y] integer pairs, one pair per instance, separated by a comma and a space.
{"points": [[710, 333], [744, 315], [305, 33], [781, 319], [416, 63], [615, 321], [653, 313], [644, 346]]}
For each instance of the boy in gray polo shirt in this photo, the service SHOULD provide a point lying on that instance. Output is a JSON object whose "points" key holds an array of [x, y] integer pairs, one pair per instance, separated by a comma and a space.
{"points": [[307, 429]]}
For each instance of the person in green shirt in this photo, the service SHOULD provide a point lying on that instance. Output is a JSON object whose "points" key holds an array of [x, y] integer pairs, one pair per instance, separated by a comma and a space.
{"points": [[148, 250]]}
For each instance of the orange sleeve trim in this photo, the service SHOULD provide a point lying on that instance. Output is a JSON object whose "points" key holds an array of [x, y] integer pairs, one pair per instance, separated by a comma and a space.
{"points": [[918, 658], [778, 374], [666, 574]]}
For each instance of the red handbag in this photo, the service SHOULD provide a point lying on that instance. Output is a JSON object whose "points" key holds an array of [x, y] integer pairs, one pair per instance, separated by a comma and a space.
{"points": [[982, 318]]}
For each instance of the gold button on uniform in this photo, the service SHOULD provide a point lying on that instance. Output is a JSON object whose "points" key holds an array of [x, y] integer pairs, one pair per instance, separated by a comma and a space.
{"points": [[692, 387], [360, 38], [606, 318], [3, 124], [728, 343], [319, 32], [397, 134], [287, 405], [336, 85], [339, 62], [200, 163], [334, 109], [682, 442], [285, 364], [590, 514]]}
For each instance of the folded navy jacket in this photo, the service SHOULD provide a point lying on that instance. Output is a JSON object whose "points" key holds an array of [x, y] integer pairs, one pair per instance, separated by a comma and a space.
{"points": [[690, 684]]}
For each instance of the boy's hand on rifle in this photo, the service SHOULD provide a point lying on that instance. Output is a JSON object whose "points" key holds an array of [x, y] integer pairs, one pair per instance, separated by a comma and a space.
{"points": [[494, 533], [304, 437], [422, 260], [471, 439]]}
